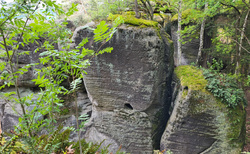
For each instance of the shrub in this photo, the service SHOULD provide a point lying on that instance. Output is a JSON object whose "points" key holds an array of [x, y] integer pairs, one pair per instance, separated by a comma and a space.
{"points": [[224, 87]]}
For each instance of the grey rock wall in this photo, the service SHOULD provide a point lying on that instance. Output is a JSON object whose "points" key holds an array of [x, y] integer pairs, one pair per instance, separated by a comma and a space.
{"points": [[200, 123], [129, 88]]}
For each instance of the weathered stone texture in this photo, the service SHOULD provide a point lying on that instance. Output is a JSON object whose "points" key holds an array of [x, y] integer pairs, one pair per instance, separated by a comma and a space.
{"points": [[8, 116], [130, 87], [25, 80], [199, 123]]}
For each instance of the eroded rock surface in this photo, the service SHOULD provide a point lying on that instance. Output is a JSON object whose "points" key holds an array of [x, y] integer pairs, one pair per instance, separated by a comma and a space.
{"points": [[129, 88], [200, 123]]}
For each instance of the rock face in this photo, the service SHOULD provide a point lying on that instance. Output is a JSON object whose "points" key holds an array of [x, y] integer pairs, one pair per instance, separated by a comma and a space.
{"points": [[130, 95], [129, 89], [200, 123]]}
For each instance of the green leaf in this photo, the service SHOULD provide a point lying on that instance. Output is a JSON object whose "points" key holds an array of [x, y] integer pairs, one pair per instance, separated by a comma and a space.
{"points": [[101, 32], [106, 50]]}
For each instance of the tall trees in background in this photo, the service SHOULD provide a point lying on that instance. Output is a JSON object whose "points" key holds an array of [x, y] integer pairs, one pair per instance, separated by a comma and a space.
{"points": [[225, 21], [202, 29], [244, 15], [179, 50], [235, 30], [177, 6]]}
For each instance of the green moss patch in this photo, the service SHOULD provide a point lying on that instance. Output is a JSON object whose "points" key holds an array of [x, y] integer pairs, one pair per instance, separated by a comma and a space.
{"points": [[191, 77], [192, 14], [237, 123], [132, 20], [160, 17]]}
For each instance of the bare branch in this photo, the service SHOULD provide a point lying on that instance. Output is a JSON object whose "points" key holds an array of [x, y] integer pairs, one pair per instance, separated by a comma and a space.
{"points": [[232, 7], [241, 45], [246, 4], [248, 41]]}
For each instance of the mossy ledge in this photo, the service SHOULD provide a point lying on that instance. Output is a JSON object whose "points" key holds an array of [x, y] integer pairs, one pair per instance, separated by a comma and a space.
{"points": [[130, 19]]}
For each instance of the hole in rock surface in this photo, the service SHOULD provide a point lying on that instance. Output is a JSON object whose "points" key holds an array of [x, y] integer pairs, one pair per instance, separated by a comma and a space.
{"points": [[128, 106]]}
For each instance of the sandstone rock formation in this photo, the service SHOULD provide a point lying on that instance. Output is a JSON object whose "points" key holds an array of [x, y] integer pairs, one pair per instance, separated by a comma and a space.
{"points": [[131, 96], [129, 88], [200, 123]]}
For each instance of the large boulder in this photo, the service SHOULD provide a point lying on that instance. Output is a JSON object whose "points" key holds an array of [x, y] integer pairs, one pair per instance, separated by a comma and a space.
{"points": [[129, 88], [199, 122]]}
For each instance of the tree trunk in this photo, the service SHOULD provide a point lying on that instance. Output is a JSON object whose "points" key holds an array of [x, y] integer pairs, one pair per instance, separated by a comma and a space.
{"points": [[240, 44], [198, 61], [137, 15], [179, 35]]}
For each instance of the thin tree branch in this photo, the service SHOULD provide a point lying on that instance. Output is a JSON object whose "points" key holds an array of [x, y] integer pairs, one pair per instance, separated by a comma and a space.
{"points": [[19, 40], [241, 45], [7, 102], [232, 7], [246, 4], [9, 17], [12, 73], [248, 41]]}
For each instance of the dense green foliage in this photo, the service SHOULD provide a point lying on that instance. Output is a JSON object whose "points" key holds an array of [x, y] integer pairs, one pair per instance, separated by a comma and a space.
{"points": [[40, 110], [224, 86], [221, 85], [57, 142]]}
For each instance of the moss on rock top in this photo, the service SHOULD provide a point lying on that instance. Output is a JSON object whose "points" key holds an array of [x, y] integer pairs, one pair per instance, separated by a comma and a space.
{"points": [[130, 19], [191, 77]]}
